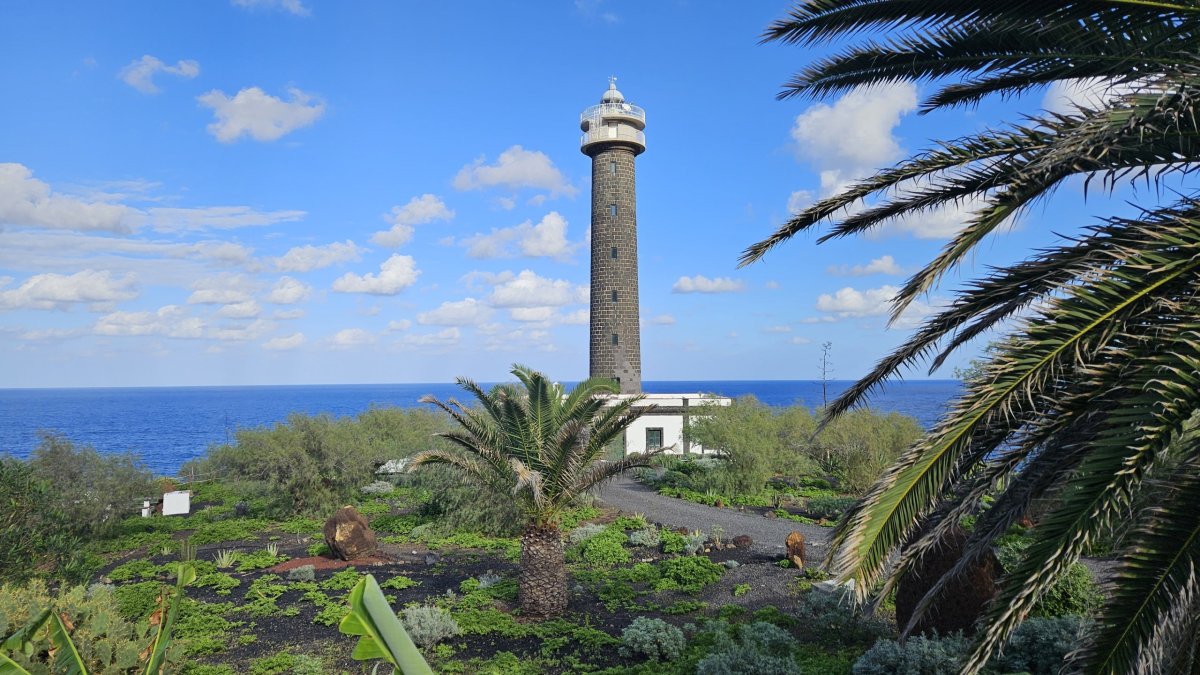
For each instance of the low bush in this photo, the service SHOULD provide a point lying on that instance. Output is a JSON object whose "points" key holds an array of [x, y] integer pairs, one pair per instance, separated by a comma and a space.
{"points": [[302, 573], [654, 639], [841, 625], [673, 542], [1076, 593], [428, 625], [918, 655], [106, 638], [286, 663], [582, 533], [1039, 645], [604, 549], [647, 537], [688, 574], [829, 507], [758, 649]]}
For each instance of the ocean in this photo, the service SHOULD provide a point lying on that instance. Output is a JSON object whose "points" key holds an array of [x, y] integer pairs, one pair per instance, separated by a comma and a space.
{"points": [[167, 426]]}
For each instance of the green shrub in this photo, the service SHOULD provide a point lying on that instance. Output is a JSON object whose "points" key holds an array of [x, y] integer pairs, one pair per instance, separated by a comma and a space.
{"points": [[584, 532], [1039, 646], [857, 446], [286, 663], [918, 655], [136, 601], [31, 531], [829, 507], [94, 492], [1074, 594], [428, 625], [400, 582], [249, 562], [342, 581], [455, 505], [673, 542], [688, 574], [106, 639], [841, 625], [760, 649], [605, 549], [654, 639], [647, 537], [302, 573], [315, 464], [740, 590]]}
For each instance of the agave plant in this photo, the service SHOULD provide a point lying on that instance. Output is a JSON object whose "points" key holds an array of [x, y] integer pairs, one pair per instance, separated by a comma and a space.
{"points": [[543, 446], [1087, 406]]}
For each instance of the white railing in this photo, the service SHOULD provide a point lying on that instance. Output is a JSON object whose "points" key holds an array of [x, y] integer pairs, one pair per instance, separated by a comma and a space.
{"points": [[602, 134], [627, 110]]}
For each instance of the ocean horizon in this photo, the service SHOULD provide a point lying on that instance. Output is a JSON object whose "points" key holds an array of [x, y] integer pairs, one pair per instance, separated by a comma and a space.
{"points": [[167, 426]]}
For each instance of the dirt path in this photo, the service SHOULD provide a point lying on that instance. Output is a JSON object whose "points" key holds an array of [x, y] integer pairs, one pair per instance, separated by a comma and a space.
{"points": [[768, 534]]}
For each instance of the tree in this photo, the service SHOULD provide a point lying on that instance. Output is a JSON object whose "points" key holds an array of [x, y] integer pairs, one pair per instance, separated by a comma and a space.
{"points": [[1087, 406], [826, 371], [543, 447]]}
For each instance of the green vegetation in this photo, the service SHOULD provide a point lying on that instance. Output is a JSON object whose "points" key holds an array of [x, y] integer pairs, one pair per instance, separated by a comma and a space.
{"points": [[538, 445], [1087, 406]]}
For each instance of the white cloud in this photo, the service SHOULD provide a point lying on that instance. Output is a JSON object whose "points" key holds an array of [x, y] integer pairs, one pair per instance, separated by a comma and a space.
{"points": [[577, 318], [851, 302], [289, 291], [799, 340], [547, 239], [515, 168], [592, 9], [139, 74], [527, 289], [663, 320], [467, 312], [443, 338], [284, 343], [1067, 96], [798, 201], [286, 314], [254, 113], [401, 325], [247, 309], [351, 337], [24, 200], [531, 314], [702, 284], [242, 331], [223, 289], [772, 285], [308, 258], [852, 137], [395, 274], [216, 217], [58, 291], [419, 210], [291, 6], [169, 321], [777, 329], [882, 265]]}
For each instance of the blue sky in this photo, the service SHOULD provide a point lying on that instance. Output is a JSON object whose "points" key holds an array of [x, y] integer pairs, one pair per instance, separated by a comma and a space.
{"points": [[305, 191]]}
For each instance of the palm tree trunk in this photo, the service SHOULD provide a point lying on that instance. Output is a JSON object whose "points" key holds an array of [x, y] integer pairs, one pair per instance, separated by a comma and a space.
{"points": [[543, 586]]}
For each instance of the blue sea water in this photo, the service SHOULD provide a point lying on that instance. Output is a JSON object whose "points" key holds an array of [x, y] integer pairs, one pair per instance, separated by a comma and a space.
{"points": [[167, 426]]}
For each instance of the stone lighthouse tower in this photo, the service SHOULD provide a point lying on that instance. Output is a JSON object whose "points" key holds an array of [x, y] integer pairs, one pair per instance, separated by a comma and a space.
{"points": [[613, 136]]}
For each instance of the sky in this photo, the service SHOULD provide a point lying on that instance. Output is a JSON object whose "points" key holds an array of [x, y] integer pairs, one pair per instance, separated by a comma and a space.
{"points": [[306, 191]]}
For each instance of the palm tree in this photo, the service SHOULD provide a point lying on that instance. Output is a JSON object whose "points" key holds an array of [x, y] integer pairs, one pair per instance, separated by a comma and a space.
{"points": [[543, 447], [1086, 407]]}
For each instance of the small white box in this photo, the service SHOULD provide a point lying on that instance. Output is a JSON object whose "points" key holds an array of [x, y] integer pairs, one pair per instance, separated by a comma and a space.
{"points": [[178, 503]]}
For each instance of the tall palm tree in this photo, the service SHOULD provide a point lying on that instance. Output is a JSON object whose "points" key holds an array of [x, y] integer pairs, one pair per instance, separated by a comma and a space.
{"points": [[1086, 406], [543, 447]]}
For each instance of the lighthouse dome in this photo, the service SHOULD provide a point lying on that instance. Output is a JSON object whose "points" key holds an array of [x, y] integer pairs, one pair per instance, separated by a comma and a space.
{"points": [[612, 95]]}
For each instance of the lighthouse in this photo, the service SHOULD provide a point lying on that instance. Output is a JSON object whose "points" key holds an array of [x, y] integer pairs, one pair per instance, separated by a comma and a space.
{"points": [[613, 136]]}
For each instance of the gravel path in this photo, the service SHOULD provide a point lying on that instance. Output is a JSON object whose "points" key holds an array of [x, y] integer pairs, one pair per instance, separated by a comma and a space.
{"points": [[768, 534]]}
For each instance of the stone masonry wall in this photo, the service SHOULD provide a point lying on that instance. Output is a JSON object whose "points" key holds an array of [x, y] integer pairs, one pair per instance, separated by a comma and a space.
{"points": [[613, 184]]}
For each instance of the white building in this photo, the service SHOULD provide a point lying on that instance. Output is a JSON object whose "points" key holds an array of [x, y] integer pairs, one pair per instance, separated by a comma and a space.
{"points": [[664, 425]]}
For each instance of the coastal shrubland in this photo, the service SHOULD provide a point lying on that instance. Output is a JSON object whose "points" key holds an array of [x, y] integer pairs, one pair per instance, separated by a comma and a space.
{"points": [[774, 459]]}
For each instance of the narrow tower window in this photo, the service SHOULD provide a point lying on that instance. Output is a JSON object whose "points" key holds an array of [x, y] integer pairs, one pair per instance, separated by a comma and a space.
{"points": [[612, 168], [612, 210], [614, 338], [614, 253], [614, 296]]}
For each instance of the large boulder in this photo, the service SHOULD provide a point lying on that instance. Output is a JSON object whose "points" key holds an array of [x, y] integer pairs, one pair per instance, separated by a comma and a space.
{"points": [[743, 541], [795, 549], [348, 535], [962, 602]]}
